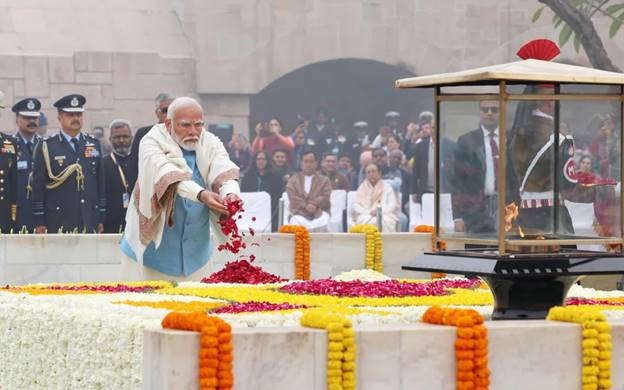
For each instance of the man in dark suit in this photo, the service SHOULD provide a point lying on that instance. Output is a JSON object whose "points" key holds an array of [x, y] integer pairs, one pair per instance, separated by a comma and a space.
{"points": [[163, 100], [475, 195], [423, 169], [8, 179], [68, 181], [27, 121], [116, 172]]}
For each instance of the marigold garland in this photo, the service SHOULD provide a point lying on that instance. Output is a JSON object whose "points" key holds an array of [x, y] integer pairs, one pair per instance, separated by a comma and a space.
{"points": [[596, 343], [215, 351], [373, 258], [302, 249], [430, 229], [341, 347], [471, 345]]}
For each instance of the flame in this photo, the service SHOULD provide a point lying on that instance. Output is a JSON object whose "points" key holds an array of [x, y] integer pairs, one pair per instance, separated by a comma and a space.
{"points": [[520, 232], [511, 213]]}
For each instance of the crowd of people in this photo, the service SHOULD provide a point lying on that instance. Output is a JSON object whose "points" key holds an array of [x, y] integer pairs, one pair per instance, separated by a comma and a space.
{"points": [[72, 181]]}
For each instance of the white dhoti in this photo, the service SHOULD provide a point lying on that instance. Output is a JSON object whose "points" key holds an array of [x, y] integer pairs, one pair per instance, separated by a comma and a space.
{"points": [[320, 224]]}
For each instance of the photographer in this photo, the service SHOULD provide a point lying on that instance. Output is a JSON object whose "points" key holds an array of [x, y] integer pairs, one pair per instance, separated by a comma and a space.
{"points": [[269, 139]]}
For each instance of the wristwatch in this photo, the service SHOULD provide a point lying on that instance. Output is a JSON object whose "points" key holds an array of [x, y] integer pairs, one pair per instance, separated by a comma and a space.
{"points": [[199, 195]]}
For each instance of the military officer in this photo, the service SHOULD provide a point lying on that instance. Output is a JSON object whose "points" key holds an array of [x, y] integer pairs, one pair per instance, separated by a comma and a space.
{"points": [[68, 181], [392, 121], [531, 155], [27, 121], [8, 177]]}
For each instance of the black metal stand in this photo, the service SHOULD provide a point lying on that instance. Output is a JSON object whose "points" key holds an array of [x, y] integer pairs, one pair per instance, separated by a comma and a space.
{"points": [[524, 286], [527, 298]]}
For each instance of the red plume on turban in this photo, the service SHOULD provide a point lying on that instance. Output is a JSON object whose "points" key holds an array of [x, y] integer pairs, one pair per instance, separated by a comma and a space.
{"points": [[539, 49]]}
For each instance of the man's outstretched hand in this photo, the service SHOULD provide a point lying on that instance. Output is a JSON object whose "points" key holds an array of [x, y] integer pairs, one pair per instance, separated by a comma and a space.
{"points": [[213, 201], [234, 198]]}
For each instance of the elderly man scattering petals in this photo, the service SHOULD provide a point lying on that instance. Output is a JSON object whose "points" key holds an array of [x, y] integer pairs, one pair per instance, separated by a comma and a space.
{"points": [[185, 177]]}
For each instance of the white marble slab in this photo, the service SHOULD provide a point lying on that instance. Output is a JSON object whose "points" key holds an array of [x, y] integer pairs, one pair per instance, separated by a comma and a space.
{"points": [[89, 257], [51, 249], [537, 355]]}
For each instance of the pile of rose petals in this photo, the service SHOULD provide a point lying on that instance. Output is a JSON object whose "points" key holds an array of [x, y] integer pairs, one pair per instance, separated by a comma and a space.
{"points": [[356, 288], [457, 283], [249, 307], [587, 178], [242, 271], [573, 301], [118, 288]]}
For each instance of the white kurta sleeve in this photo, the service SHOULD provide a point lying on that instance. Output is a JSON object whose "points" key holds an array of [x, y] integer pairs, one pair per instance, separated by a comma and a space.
{"points": [[189, 189], [229, 187]]}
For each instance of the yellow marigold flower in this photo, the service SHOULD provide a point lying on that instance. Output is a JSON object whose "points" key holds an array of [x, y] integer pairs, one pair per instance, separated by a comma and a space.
{"points": [[349, 357], [337, 372], [335, 355], [334, 364], [605, 383], [335, 347]]}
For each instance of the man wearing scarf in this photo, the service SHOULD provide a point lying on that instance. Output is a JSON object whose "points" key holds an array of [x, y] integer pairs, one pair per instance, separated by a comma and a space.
{"points": [[185, 175], [309, 195], [373, 193]]}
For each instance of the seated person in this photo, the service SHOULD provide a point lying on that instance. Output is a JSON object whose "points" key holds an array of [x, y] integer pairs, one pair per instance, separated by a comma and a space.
{"points": [[373, 192], [329, 169], [260, 177], [309, 194]]}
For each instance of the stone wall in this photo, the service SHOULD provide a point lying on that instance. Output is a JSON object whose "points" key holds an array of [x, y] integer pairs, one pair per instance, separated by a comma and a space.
{"points": [[116, 85], [121, 53], [243, 46]]}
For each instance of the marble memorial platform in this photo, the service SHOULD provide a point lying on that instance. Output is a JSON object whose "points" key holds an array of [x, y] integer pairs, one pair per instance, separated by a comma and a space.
{"points": [[64, 258], [536, 355]]}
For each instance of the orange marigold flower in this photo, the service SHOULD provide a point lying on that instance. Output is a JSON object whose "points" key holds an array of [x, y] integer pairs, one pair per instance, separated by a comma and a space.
{"points": [[464, 355]]}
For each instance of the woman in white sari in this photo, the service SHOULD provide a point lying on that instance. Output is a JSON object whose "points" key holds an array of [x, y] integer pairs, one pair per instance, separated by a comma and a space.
{"points": [[371, 194]]}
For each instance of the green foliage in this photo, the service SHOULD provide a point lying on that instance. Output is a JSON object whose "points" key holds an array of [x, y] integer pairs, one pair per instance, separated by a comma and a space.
{"points": [[612, 9]]}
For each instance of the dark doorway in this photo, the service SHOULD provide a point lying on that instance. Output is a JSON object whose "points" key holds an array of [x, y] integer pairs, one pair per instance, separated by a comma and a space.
{"points": [[349, 89]]}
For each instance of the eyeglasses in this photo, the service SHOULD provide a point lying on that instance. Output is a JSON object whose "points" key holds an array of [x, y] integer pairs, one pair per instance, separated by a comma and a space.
{"points": [[493, 110], [187, 125], [164, 110]]}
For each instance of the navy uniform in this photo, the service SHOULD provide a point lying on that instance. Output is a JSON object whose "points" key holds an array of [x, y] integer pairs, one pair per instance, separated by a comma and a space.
{"points": [[68, 181], [8, 177], [28, 107], [392, 121]]}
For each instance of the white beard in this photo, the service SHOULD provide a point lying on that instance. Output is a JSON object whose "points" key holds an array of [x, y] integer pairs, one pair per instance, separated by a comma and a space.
{"points": [[188, 146]]}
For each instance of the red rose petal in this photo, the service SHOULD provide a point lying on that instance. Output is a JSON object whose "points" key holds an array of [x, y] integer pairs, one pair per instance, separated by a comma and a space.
{"points": [[242, 272]]}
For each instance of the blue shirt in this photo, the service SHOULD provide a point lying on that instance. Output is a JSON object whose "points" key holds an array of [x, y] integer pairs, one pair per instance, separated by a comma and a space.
{"points": [[69, 138], [186, 246]]}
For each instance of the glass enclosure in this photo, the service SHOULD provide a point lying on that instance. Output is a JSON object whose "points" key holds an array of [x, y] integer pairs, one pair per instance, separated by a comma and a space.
{"points": [[536, 168]]}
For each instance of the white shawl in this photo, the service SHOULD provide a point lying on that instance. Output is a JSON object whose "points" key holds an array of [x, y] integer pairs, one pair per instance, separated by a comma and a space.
{"points": [[163, 173]]}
